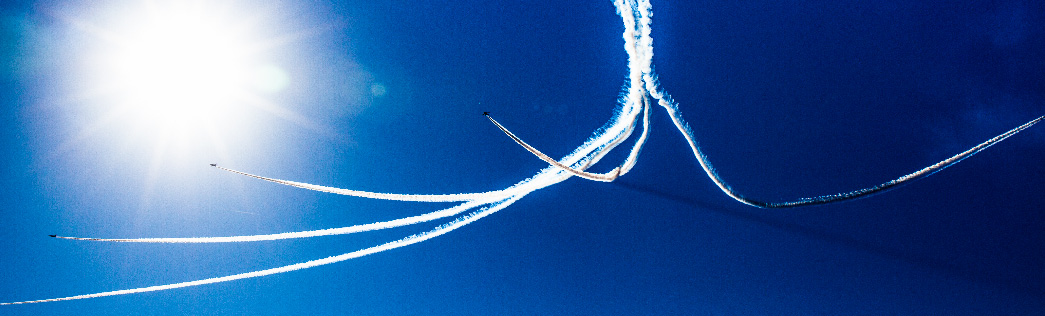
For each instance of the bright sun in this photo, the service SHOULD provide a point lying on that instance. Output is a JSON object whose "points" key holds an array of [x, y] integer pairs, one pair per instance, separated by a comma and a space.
{"points": [[178, 65], [181, 68]]}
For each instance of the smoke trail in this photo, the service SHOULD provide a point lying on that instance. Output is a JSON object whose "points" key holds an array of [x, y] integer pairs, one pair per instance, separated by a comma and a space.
{"points": [[392, 223], [371, 226], [634, 156], [453, 211], [413, 239], [589, 152], [838, 197], [382, 196]]}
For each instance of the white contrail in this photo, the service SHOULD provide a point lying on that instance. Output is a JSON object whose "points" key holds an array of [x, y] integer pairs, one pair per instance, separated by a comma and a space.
{"points": [[522, 189], [453, 211], [382, 196], [591, 150], [413, 239], [603, 140], [634, 156], [362, 227], [844, 196]]}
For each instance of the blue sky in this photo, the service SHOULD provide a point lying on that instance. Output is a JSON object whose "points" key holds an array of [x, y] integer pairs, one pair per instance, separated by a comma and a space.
{"points": [[789, 99]]}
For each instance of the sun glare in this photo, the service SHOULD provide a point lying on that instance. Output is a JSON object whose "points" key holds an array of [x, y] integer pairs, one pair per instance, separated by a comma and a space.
{"points": [[175, 69], [179, 65]]}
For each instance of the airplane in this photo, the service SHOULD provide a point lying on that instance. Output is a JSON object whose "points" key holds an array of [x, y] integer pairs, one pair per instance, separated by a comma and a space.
{"points": [[53, 235], [213, 165], [486, 113]]}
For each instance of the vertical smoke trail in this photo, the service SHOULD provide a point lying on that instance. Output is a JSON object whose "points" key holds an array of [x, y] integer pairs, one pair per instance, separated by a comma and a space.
{"points": [[634, 156]]}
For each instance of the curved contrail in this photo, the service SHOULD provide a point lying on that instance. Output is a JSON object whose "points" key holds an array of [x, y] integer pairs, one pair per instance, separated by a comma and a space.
{"points": [[844, 196], [672, 109]]}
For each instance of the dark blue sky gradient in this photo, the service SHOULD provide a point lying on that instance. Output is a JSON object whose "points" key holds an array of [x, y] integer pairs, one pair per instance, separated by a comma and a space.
{"points": [[790, 99]]}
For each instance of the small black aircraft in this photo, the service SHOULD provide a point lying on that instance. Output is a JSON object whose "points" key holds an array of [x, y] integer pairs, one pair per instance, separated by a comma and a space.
{"points": [[213, 165], [486, 113]]}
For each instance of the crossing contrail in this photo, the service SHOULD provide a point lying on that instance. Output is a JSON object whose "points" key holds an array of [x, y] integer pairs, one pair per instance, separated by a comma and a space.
{"points": [[604, 177]]}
